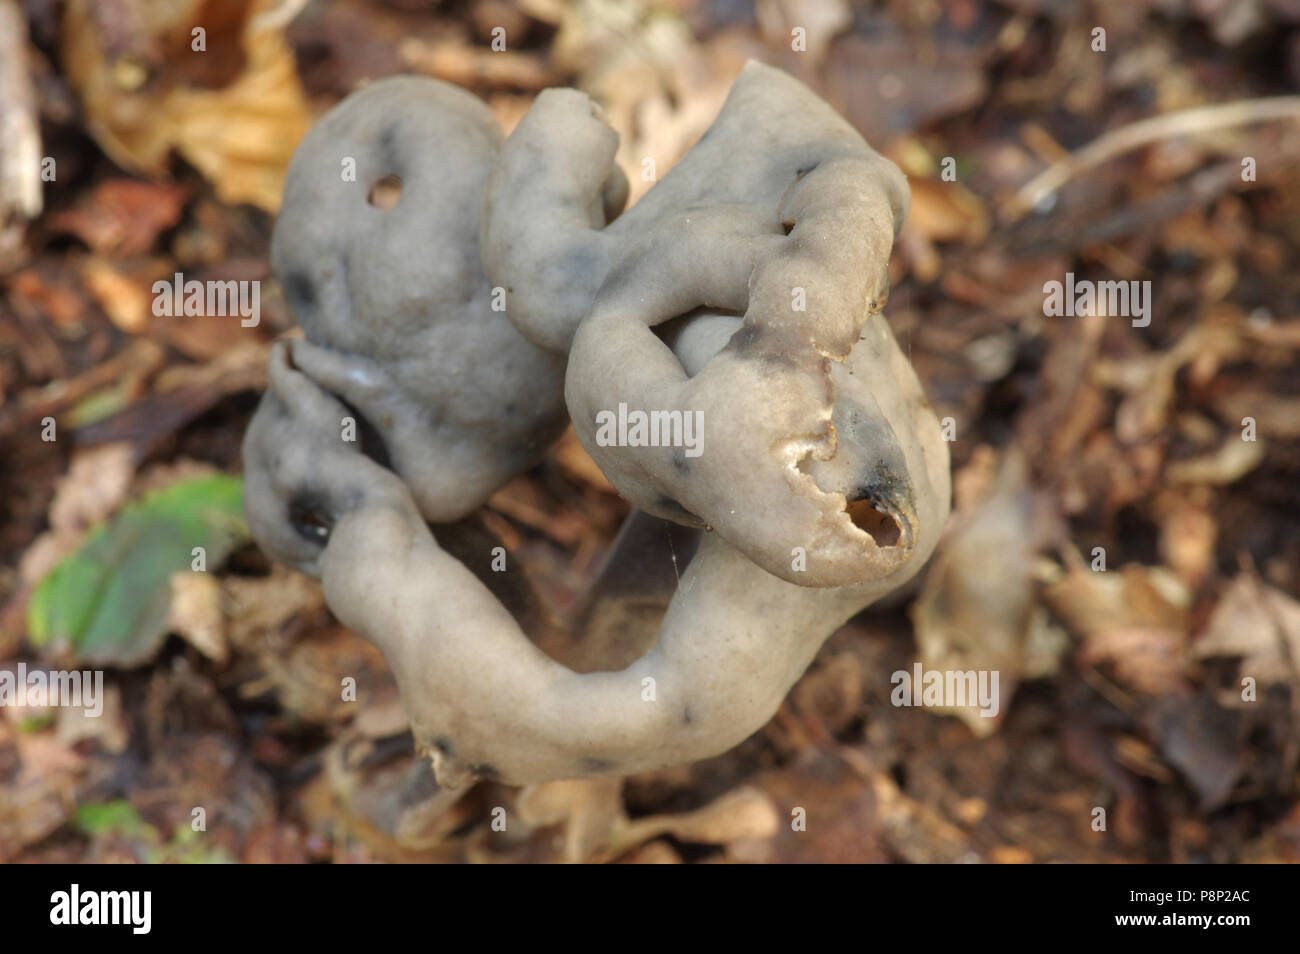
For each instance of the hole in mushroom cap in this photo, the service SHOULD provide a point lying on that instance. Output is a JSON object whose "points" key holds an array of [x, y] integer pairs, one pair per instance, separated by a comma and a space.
{"points": [[881, 526], [310, 518], [385, 193]]}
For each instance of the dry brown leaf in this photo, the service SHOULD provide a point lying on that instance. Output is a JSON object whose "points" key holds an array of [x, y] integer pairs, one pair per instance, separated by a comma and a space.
{"points": [[915, 831], [308, 676], [1230, 462], [1280, 844], [195, 614], [744, 814], [658, 86], [655, 853], [108, 728], [1135, 618], [382, 803], [463, 65], [825, 814], [947, 212], [40, 797], [819, 20], [96, 484], [596, 827], [1204, 741], [1188, 532], [976, 610], [1146, 658], [239, 134], [258, 606], [123, 216], [125, 301], [1275, 415], [1258, 624], [590, 811], [1010, 855]]}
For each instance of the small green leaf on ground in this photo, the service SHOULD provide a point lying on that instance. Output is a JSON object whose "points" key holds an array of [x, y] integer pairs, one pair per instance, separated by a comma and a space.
{"points": [[107, 602], [119, 817]]}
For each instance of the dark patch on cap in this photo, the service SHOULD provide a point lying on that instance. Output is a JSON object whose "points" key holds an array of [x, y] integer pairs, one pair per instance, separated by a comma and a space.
{"points": [[444, 745], [779, 359], [746, 337], [390, 155], [594, 765], [300, 291], [881, 486], [687, 718], [484, 770], [757, 341], [311, 515]]}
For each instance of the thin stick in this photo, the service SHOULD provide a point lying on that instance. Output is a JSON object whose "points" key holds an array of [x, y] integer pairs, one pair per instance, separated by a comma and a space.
{"points": [[279, 16], [20, 136], [1184, 122]]}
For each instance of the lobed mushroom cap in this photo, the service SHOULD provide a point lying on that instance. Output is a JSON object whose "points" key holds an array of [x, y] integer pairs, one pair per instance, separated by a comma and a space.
{"points": [[400, 320], [745, 288], [820, 459]]}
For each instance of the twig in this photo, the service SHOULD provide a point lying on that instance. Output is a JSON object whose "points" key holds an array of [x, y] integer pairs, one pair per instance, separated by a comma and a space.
{"points": [[277, 17], [20, 137], [1200, 119]]}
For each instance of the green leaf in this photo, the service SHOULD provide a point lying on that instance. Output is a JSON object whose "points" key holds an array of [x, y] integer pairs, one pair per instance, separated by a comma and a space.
{"points": [[108, 601], [36, 723], [117, 816], [189, 847], [97, 406]]}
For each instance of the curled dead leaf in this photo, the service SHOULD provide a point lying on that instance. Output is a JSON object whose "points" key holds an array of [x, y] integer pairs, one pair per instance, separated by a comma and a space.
{"points": [[1259, 625], [234, 109], [195, 614]]}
